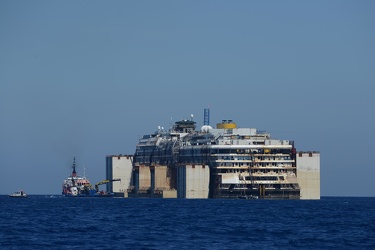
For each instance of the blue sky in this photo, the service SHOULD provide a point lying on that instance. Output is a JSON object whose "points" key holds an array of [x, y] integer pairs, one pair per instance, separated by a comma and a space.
{"points": [[88, 78]]}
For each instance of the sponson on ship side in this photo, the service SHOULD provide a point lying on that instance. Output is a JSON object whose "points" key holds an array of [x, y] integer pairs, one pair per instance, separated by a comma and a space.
{"points": [[221, 162]]}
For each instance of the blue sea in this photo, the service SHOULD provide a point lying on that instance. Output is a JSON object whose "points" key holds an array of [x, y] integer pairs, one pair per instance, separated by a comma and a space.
{"points": [[56, 222]]}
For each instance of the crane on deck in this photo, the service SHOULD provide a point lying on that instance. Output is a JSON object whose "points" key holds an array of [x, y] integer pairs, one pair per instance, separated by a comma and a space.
{"points": [[104, 182]]}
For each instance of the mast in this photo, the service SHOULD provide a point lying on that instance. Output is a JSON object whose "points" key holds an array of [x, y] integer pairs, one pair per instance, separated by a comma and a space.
{"points": [[74, 173]]}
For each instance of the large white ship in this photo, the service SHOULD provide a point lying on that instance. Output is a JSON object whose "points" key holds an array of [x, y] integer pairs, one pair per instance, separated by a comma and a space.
{"points": [[221, 162]]}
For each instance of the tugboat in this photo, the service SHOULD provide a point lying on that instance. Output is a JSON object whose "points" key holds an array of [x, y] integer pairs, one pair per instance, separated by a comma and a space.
{"points": [[18, 194], [76, 186]]}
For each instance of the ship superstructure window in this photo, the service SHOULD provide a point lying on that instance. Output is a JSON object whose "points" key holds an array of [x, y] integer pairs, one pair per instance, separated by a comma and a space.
{"points": [[261, 178]]}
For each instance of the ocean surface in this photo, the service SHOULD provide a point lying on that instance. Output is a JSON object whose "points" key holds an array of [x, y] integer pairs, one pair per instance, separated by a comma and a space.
{"points": [[56, 222]]}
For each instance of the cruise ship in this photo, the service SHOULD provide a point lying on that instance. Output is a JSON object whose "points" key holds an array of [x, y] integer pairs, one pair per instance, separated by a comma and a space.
{"points": [[222, 162]]}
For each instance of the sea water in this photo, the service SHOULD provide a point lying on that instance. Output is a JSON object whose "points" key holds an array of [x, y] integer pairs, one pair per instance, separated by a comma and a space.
{"points": [[56, 222]]}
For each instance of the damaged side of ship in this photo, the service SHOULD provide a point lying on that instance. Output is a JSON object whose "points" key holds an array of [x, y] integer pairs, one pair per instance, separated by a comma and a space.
{"points": [[225, 162]]}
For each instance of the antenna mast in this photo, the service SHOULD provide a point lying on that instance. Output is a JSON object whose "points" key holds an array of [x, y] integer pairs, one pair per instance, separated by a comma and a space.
{"points": [[206, 116]]}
